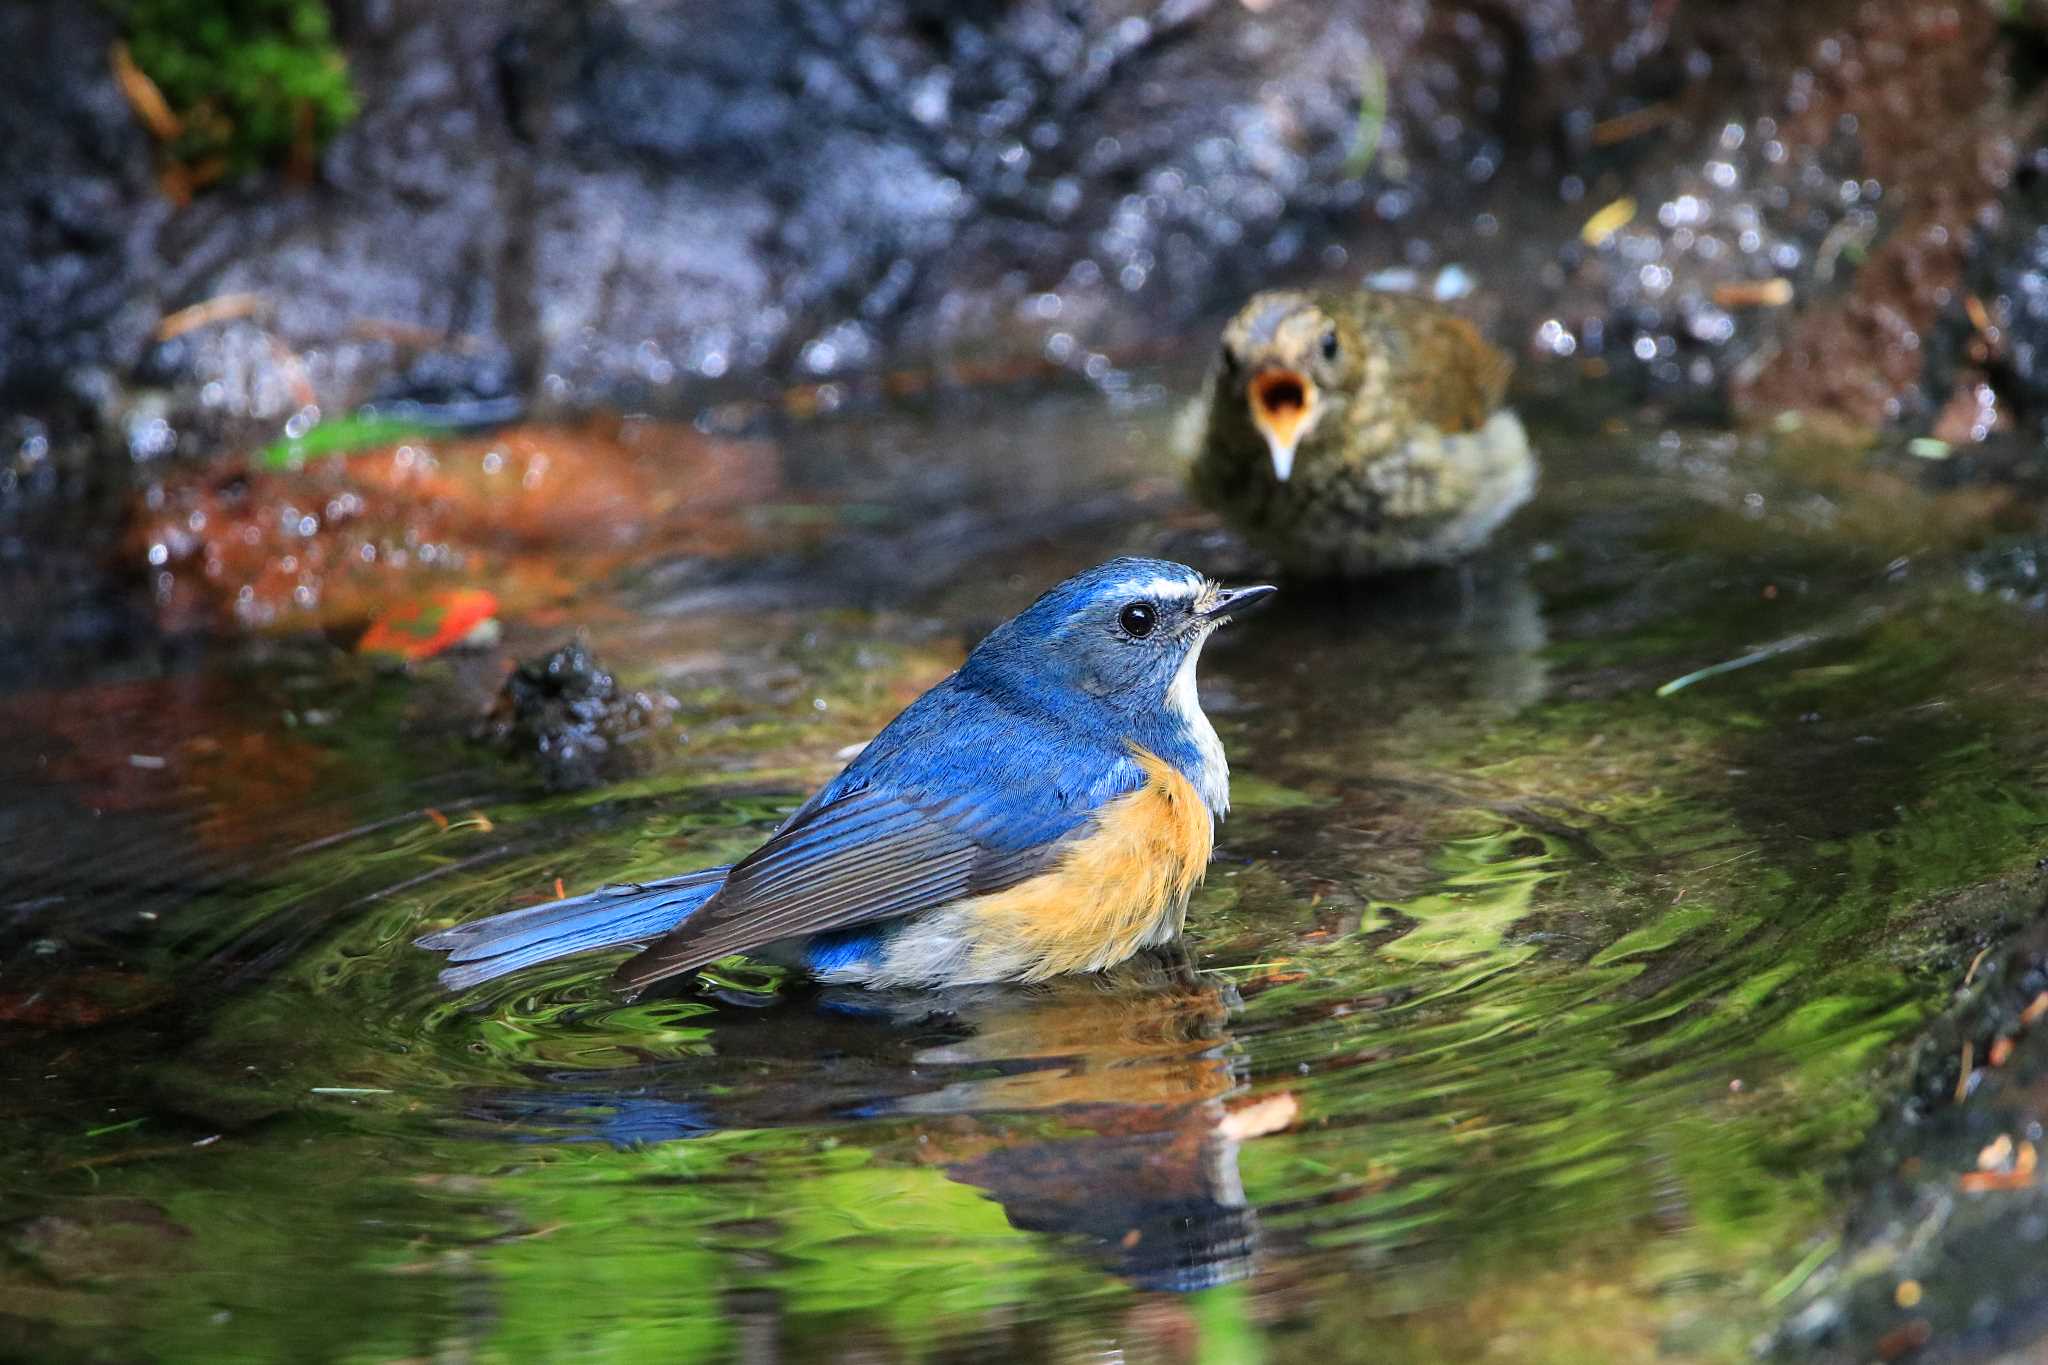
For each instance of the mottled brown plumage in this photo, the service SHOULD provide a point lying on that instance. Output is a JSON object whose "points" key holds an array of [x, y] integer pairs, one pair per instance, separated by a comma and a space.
{"points": [[1352, 433]]}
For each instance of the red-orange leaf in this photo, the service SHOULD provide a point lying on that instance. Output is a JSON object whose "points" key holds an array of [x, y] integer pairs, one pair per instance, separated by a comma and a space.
{"points": [[422, 626]]}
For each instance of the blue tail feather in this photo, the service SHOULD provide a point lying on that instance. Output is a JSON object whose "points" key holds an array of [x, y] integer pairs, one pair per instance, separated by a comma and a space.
{"points": [[611, 917]]}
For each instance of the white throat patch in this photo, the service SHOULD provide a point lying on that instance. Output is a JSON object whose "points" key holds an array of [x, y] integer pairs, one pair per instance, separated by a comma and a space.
{"points": [[1212, 772]]}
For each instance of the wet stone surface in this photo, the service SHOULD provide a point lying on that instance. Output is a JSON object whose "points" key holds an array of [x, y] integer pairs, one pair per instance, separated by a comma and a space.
{"points": [[1941, 1258], [565, 713], [616, 202]]}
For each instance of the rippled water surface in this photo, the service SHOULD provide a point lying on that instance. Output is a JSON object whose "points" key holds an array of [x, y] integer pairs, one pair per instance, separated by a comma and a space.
{"points": [[1527, 1014]]}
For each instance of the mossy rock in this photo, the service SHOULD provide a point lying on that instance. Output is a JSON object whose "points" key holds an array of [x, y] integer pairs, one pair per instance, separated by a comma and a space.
{"points": [[252, 82]]}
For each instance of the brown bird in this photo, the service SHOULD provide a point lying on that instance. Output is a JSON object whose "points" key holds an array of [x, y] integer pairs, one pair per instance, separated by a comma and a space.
{"points": [[1349, 434]]}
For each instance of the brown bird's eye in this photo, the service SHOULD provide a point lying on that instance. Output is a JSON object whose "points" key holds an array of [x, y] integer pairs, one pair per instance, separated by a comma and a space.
{"points": [[1330, 344], [1137, 619]]}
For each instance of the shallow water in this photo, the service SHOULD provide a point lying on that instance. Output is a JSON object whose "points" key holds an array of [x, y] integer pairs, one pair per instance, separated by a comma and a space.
{"points": [[1566, 1000]]}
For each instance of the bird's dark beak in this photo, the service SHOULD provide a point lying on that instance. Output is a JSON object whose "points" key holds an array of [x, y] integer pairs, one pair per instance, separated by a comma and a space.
{"points": [[1230, 601]]}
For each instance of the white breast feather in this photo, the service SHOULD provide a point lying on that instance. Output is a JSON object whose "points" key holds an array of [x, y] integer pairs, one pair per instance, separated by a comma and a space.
{"points": [[1212, 773]]}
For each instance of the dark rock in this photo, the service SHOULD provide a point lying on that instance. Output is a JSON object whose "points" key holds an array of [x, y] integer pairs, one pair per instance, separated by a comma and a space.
{"points": [[1949, 1198], [565, 713], [609, 202], [1997, 340], [614, 199], [78, 221], [2016, 572]]}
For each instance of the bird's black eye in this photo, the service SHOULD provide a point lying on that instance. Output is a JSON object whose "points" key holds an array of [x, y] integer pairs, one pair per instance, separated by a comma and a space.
{"points": [[1229, 359], [1330, 344], [1137, 619]]}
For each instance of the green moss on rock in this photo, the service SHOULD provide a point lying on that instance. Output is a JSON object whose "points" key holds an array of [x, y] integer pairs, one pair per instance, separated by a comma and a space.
{"points": [[251, 80]]}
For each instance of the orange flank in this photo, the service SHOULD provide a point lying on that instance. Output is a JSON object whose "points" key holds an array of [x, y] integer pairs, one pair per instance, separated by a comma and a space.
{"points": [[1123, 885]]}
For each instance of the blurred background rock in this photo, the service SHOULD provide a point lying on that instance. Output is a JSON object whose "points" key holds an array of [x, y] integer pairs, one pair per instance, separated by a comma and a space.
{"points": [[1743, 205]]}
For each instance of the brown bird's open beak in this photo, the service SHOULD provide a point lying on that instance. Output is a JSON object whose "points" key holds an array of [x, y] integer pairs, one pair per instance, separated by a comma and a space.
{"points": [[1283, 402]]}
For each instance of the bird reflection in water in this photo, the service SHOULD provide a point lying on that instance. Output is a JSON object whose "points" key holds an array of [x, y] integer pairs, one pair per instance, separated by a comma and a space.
{"points": [[1133, 1063]]}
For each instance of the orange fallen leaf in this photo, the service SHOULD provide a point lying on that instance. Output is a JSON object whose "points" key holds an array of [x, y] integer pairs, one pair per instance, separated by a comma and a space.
{"points": [[424, 626], [2033, 1012], [1273, 1114], [2001, 1051]]}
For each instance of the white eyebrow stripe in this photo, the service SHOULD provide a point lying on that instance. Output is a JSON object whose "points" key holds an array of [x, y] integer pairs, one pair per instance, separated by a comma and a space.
{"points": [[1158, 589]]}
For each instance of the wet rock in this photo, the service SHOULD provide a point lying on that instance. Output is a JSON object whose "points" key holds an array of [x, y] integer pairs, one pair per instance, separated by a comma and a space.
{"points": [[565, 713], [1989, 359], [1785, 230], [1922, 94], [2016, 572], [1942, 1256], [78, 221], [610, 202], [612, 199]]}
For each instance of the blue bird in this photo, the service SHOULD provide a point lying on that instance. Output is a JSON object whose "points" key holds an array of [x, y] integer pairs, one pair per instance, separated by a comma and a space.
{"points": [[1048, 808]]}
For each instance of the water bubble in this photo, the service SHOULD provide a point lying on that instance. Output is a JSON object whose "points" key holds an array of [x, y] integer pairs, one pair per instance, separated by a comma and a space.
{"points": [[1554, 337]]}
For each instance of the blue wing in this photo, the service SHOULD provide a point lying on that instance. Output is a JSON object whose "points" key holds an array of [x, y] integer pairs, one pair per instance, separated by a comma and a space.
{"points": [[959, 796]]}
